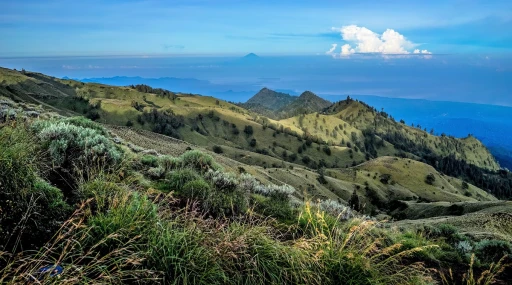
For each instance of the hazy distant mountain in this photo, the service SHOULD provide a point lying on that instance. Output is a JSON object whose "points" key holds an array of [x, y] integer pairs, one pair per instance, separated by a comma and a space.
{"points": [[251, 55]]}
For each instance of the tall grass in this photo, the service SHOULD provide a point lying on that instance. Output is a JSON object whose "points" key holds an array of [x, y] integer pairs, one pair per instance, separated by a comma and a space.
{"points": [[487, 277], [84, 262], [30, 209], [357, 252]]}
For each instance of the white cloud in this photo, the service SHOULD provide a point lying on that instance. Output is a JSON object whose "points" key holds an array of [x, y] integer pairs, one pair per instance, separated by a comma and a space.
{"points": [[346, 50], [417, 51], [331, 51], [363, 40]]}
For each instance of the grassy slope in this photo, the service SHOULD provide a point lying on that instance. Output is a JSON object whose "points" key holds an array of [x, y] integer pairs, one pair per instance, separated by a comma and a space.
{"points": [[116, 109], [469, 149], [483, 220]]}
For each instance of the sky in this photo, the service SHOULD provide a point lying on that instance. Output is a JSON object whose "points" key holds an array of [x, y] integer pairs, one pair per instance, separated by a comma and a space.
{"points": [[268, 27]]}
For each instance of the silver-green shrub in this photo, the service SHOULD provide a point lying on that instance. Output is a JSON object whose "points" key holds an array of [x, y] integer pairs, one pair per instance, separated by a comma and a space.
{"points": [[336, 209], [464, 247], [250, 184], [77, 145], [222, 180]]}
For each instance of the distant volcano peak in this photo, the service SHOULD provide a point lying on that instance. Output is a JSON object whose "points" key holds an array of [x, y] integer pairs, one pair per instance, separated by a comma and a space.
{"points": [[251, 55]]}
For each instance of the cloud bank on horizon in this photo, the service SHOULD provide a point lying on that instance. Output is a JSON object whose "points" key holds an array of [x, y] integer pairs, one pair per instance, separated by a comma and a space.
{"points": [[362, 40]]}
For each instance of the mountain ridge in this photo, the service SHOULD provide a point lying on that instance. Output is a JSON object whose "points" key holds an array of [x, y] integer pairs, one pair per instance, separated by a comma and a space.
{"points": [[345, 134], [278, 105]]}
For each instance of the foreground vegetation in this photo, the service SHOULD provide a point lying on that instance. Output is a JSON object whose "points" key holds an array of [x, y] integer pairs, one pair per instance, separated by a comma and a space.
{"points": [[71, 196]]}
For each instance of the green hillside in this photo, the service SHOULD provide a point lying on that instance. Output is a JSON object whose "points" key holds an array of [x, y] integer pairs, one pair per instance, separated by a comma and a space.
{"points": [[177, 188], [345, 134]]}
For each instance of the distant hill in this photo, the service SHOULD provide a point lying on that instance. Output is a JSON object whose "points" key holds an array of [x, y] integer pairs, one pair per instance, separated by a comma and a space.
{"points": [[270, 99], [307, 102], [278, 105]]}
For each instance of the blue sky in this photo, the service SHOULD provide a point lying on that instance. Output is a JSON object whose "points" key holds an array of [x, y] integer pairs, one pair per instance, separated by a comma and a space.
{"points": [[222, 27]]}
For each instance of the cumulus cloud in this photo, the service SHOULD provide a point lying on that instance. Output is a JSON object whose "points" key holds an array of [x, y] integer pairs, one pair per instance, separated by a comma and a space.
{"points": [[347, 50], [363, 40]]}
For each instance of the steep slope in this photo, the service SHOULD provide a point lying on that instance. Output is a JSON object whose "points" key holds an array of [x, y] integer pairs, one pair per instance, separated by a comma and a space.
{"points": [[412, 139]]}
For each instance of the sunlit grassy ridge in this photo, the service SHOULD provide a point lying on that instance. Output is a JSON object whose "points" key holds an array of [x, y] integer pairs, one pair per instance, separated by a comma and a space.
{"points": [[337, 138], [362, 117]]}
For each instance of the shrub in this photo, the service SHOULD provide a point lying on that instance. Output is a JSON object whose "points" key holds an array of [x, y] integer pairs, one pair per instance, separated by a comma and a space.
{"points": [[156, 172], [73, 147], [85, 123], [354, 201], [226, 199], [456, 210], [249, 184], [464, 247], [277, 192], [196, 189], [222, 181], [92, 114], [177, 179], [489, 251], [384, 178], [197, 160], [430, 179], [217, 149], [252, 143], [169, 163], [248, 130], [336, 209], [149, 160], [275, 205]]}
